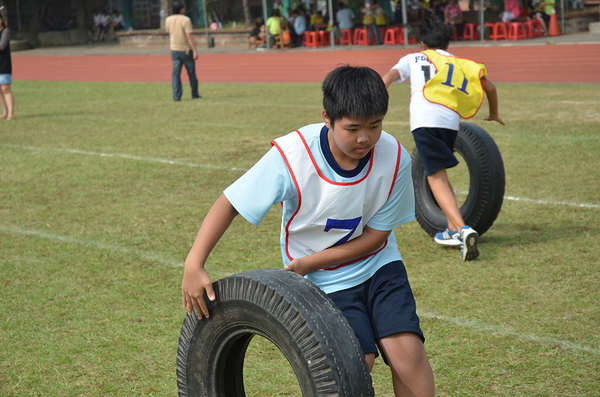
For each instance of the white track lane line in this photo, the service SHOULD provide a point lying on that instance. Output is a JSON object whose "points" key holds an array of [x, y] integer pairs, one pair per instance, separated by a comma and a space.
{"points": [[476, 325], [227, 168]]}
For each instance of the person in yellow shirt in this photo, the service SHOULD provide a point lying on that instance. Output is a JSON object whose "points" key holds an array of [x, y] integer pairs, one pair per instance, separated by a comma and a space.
{"points": [[317, 21]]}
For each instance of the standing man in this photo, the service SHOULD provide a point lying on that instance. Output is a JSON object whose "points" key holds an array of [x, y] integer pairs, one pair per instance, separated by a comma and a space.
{"points": [[183, 49]]}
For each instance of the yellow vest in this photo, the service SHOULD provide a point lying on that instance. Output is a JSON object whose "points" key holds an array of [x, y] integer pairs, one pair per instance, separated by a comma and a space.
{"points": [[456, 85]]}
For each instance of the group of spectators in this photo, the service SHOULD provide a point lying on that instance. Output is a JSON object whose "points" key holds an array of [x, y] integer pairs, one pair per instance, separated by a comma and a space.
{"points": [[293, 25], [297, 21], [451, 13], [103, 22]]}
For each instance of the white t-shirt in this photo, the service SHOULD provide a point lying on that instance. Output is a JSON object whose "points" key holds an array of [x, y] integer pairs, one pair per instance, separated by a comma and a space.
{"points": [[423, 113], [104, 20], [270, 182]]}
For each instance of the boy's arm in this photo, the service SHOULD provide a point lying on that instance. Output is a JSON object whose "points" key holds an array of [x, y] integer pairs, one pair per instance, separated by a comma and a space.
{"points": [[195, 277], [490, 91], [369, 241], [390, 77]]}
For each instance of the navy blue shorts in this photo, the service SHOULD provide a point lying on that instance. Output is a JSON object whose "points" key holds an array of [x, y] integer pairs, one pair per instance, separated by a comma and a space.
{"points": [[436, 148], [383, 305]]}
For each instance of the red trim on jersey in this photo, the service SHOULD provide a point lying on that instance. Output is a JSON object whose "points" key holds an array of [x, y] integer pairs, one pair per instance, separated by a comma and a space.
{"points": [[357, 259], [397, 167], [441, 104], [323, 176], [287, 226]]}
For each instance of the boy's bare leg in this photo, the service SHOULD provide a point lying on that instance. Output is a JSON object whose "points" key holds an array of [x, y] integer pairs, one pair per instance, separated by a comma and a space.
{"points": [[444, 195], [370, 359], [8, 101], [411, 372]]}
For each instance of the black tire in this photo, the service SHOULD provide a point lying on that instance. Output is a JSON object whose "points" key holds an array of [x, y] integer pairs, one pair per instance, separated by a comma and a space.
{"points": [[486, 183], [292, 313]]}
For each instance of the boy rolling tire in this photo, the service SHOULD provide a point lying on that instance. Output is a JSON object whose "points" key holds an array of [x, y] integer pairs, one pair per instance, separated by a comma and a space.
{"points": [[286, 309], [486, 183]]}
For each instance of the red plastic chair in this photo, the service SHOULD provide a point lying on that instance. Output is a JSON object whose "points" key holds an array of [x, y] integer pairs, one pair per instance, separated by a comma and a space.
{"points": [[311, 39], [498, 30], [346, 38], [516, 31], [391, 36], [361, 36], [454, 35], [470, 31], [533, 28], [324, 39]]}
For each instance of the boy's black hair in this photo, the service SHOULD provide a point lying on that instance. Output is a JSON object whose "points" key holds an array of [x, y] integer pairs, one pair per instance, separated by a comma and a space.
{"points": [[357, 93], [436, 34], [178, 6]]}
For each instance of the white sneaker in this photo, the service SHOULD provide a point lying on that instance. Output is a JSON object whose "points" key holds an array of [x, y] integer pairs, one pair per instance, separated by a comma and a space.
{"points": [[468, 250], [448, 237]]}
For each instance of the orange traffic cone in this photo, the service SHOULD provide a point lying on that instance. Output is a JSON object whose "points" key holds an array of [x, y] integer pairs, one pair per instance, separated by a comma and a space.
{"points": [[553, 29]]}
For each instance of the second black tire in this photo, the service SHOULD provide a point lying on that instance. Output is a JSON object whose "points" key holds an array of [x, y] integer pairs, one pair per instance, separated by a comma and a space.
{"points": [[289, 311], [486, 183]]}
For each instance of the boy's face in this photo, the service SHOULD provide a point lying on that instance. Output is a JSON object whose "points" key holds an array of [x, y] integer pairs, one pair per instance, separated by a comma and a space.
{"points": [[351, 140]]}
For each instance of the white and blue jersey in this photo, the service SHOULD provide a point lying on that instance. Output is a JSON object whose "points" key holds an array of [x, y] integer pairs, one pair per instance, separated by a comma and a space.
{"points": [[324, 205]]}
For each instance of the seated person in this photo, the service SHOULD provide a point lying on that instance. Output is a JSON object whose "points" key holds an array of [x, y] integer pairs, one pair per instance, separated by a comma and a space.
{"points": [[254, 37], [539, 13], [453, 16], [117, 23], [95, 28], [274, 26], [317, 22], [105, 21], [511, 11]]}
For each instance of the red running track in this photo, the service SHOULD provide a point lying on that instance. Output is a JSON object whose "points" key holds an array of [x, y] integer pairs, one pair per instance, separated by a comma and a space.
{"points": [[543, 63]]}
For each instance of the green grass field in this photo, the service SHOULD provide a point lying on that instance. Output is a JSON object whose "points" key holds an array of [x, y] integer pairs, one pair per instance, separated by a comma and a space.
{"points": [[104, 186]]}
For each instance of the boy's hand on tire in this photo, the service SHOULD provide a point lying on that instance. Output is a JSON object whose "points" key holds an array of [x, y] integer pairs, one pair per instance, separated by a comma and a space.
{"points": [[195, 283]]}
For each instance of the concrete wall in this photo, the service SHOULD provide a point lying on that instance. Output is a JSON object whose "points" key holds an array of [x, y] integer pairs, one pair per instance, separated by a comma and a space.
{"points": [[63, 37], [579, 22], [232, 37]]}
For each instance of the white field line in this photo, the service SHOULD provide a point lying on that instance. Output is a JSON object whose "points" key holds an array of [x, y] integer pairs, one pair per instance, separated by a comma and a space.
{"points": [[501, 330], [504, 330], [93, 244], [126, 157], [227, 168], [542, 202]]}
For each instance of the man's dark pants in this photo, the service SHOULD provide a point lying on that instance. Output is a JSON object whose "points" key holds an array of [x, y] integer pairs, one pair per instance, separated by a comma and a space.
{"points": [[183, 58]]}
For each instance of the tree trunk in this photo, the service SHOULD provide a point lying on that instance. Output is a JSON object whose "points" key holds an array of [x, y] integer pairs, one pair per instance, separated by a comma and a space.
{"points": [[166, 9], [247, 16]]}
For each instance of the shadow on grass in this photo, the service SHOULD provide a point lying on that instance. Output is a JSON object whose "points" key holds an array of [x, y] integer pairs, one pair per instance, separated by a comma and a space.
{"points": [[518, 234]]}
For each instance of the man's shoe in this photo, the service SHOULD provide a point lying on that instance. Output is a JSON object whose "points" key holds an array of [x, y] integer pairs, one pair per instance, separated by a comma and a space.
{"points": [[448, 237], [196, 97], [469, 237]]}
